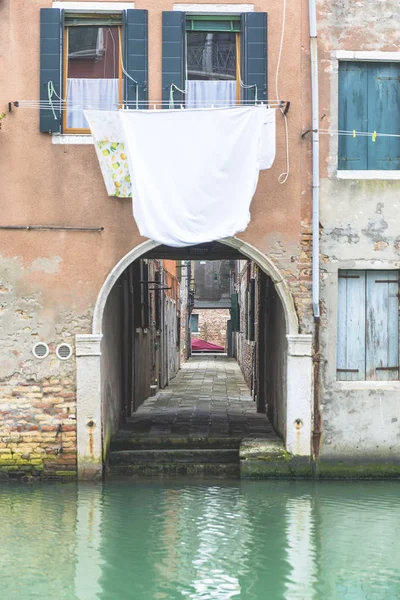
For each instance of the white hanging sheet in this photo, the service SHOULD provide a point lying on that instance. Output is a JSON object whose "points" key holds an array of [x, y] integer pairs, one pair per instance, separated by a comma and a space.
{"points": [[204, 94], [193, 172], [268, 144], [96, 94]]}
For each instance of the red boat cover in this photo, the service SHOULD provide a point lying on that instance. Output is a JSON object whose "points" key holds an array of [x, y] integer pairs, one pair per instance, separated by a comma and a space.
{"points": [[199, 345]]}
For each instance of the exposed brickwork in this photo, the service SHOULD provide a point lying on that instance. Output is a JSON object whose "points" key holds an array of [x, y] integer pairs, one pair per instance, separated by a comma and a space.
{"points": [[212, 324], [38, 428]]}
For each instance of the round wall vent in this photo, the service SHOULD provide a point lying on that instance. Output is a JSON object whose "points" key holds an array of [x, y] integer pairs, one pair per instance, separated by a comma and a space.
{"points": [[64, 351], [40, 350]]}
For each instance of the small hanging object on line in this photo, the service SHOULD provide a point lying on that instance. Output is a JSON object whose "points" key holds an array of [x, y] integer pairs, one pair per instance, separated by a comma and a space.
{"points": [[354, 133], [374, 136]]}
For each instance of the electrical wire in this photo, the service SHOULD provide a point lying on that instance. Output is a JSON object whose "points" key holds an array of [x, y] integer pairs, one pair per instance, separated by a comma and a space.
{"points": [[283, 177]]}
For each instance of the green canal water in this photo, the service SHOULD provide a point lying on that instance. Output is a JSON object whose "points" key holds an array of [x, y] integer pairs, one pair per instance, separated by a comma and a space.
{"points": [[200, 541]]}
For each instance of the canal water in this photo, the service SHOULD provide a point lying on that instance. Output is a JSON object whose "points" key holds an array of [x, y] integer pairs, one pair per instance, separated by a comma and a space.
{"points": [[210, 541]]}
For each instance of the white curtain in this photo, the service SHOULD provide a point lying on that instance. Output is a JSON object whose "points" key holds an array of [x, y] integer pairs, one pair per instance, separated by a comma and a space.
{"points": [[96, 94], [204, 94]]}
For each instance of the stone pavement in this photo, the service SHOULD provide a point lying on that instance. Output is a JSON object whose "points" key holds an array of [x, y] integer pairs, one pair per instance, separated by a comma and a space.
{"points": [[207, 398]]}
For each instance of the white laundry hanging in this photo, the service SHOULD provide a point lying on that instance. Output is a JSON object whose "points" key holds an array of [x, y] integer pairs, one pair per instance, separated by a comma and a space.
{"points": [[201, 94], [194, 172], [102, 94]]}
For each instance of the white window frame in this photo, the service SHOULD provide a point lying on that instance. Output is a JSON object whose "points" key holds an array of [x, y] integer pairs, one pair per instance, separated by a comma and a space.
{"points": [[362, 56], [86, 7]]}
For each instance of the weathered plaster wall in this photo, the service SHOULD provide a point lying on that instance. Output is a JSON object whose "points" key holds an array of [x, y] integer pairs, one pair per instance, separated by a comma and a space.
{"points": [[51, 279], [359, 229]]}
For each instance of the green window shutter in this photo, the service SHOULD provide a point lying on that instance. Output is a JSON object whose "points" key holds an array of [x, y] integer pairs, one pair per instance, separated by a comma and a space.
{"points": [[51, 40], [135, 56], [384, 115], [173, 55], [382, 347], [254, 68], [351, 326], [353, 115], [235, 314]]}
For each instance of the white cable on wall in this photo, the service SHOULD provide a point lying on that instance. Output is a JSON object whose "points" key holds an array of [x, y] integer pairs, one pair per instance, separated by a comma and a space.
{"points": [[283, 177]]}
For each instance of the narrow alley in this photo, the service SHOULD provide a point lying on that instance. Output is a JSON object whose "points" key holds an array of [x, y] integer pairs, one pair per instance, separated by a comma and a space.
{"points": [[208, 397], [194, 426]]}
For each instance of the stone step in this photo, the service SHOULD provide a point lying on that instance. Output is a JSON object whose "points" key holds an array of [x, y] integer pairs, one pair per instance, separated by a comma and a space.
{"points": [[125, 440], [201, 470], [185, 456]]}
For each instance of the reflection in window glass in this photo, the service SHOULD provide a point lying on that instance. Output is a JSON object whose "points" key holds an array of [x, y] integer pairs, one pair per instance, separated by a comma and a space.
{"points": [[211, 56], [92, 72]]}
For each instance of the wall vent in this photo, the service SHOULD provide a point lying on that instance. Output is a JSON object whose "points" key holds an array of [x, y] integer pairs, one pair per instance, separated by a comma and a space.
{"points": [[64, 351], [40, 350]]}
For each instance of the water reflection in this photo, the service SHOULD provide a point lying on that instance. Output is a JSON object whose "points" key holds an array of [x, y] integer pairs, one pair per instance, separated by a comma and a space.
{"points": [[169, 541]]}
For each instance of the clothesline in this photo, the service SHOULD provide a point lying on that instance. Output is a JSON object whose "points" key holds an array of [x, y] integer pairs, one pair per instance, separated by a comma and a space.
{"points": [[64, 106]]}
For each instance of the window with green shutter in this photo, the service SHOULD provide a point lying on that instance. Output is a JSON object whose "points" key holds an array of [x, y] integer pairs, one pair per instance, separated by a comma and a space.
{"points": [[369, 101], [368, 325], [216, 59], [90, 60]]}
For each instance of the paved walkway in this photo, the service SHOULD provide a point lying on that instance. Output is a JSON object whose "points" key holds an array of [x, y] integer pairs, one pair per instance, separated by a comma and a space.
{"points": [[207, 398]]}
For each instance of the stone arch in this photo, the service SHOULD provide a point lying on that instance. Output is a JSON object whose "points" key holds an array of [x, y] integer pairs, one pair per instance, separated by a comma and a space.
{"points": [[298, 389], [249, 251]]}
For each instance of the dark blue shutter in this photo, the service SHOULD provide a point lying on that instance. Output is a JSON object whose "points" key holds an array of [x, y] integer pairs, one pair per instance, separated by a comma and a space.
{"points": [[173, 55], [254, 68], [384, 115], [135, 56], [353, 115], [51, 41]]}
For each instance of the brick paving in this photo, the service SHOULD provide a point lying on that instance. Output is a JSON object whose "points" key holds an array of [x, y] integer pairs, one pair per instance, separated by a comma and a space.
{"points": [[207, 398]]}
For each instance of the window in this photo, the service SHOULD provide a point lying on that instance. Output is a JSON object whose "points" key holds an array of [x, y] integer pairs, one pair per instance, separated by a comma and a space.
{"points": [[194, 323], [214, 59], [369, 101], [92, 67], [368, 325], [90, 60]]}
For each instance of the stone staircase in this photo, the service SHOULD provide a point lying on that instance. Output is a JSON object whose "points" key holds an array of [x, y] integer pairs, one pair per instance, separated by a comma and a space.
{"points": [[133, 455]]}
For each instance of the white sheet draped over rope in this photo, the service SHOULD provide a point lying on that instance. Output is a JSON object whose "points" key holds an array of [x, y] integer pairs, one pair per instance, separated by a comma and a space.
{"points": [[193, 172]]}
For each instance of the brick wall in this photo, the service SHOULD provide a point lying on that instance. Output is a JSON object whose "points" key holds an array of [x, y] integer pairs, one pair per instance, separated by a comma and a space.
{"points": [[38, 428], [212, 324]]}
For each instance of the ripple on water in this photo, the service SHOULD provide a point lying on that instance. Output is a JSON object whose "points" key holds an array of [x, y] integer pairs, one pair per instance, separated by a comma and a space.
{"points": [[176, 540]]}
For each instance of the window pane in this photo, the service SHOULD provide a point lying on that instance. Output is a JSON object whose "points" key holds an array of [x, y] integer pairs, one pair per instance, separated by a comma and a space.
{"points": [[194, 323], [211, 56], [93, 71]]}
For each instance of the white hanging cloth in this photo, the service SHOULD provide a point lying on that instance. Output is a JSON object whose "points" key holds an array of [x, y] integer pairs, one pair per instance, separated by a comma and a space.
{"points": [[101, 94], [193, 172], [202, 94]]}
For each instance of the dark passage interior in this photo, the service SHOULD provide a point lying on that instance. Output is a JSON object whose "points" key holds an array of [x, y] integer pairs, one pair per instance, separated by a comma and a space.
{"points": [[193, 359]]}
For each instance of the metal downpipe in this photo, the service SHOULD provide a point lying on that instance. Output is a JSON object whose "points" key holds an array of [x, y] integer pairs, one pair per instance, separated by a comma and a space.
{"points": [[316, 437]]}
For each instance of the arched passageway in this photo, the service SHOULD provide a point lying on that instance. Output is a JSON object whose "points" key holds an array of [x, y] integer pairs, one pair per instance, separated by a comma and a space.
{"points": [[131, 363]]}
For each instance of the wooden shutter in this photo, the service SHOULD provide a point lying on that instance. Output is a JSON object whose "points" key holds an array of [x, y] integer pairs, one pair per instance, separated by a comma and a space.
{"points": [[353, 115], [254, 67], [135, 56], [384, 115], [173, 55], [351, 326], [382, 352], [51, 42], [235, 315]]}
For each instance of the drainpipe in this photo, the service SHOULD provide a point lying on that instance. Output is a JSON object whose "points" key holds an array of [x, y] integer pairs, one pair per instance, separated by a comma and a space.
{"points": [[315, 224]]}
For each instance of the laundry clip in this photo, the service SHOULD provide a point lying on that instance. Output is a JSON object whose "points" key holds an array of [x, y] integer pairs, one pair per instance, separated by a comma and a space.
{"points": [[374, 136], [354, 133]]}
